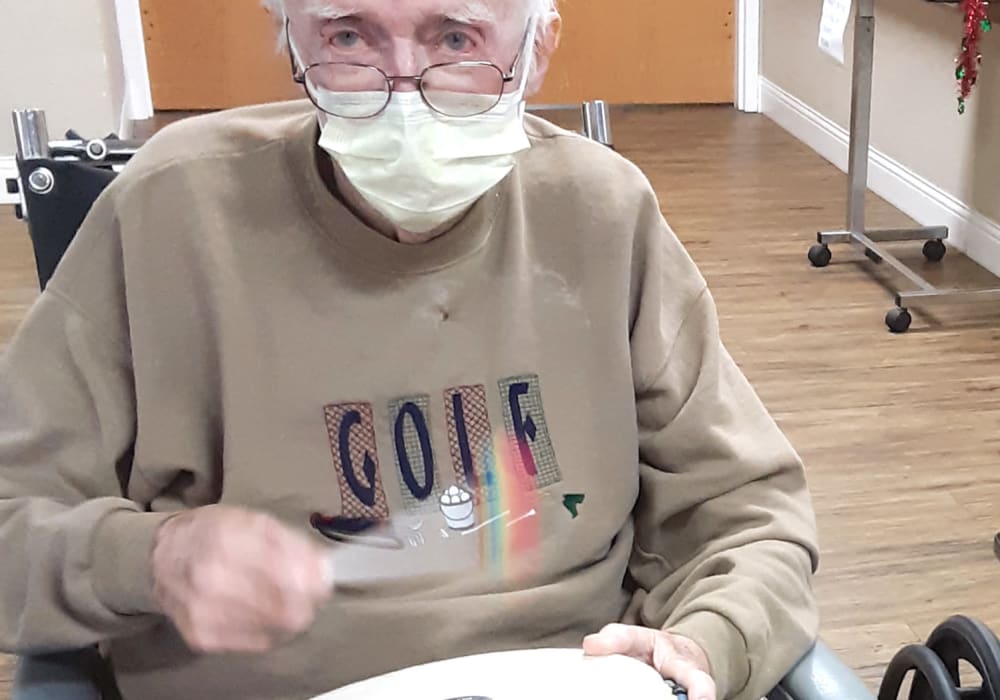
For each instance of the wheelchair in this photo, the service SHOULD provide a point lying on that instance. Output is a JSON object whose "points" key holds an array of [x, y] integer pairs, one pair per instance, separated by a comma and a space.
{"points": [[59, 181]]}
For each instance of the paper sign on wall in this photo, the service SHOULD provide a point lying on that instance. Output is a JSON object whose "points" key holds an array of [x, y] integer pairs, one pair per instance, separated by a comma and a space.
{"points": [[833, 27]]}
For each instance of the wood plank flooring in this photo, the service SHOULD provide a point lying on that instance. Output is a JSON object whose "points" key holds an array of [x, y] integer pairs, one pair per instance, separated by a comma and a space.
{"points": [[899, 432]]}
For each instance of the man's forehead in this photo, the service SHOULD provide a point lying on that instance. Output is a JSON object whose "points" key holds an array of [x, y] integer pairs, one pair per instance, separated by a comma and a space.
{"points": [[416, 11]]}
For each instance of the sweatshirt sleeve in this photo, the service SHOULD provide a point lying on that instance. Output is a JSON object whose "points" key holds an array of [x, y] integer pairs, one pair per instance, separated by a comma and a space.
{"points": [[725, 532], [75, 550]]}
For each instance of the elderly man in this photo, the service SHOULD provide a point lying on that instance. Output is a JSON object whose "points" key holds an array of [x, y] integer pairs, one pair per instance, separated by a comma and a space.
{"points": [[276, 329]]}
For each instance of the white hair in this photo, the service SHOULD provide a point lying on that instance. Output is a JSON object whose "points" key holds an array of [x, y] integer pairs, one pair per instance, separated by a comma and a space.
{"points": [[542, 8]]}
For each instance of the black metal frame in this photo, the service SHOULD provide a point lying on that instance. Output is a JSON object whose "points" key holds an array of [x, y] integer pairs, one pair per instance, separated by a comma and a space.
{"points": [[58, 183]]}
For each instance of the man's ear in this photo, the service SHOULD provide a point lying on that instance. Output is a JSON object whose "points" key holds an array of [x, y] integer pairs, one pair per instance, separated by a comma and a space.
{"points": [[546, 44]]}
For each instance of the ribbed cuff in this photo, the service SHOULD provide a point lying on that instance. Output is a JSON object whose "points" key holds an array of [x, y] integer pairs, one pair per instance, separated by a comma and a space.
{"points": [[123, 571], [724, 645]]}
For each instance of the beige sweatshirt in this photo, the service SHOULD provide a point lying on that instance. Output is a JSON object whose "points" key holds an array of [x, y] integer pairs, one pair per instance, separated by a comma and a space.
{"points": [[224, 330]]}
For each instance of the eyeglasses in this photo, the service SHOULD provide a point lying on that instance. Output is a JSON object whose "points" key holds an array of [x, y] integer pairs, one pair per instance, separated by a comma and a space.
{"points": [[358, 91]]}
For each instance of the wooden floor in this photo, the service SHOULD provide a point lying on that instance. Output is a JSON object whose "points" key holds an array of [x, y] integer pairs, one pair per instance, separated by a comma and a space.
{"points": [[899, 432]]}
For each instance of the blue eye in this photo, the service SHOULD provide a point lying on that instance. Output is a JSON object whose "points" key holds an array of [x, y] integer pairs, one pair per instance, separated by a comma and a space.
{"points": [[456, 41], [346, 39]]}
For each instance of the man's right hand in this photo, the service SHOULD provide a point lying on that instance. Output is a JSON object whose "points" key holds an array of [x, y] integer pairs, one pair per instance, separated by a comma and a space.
{"points": [[233, 581]]}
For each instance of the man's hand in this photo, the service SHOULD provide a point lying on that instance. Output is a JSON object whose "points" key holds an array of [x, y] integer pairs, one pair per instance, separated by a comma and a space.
{"points": [[676, 658], [233, 581]]}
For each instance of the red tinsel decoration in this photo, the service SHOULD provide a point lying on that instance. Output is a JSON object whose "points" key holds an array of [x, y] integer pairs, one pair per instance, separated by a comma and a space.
{"points": [[977, 23]]}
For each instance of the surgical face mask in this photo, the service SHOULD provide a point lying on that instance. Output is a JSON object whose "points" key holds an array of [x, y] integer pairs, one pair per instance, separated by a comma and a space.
{"points": [[417, 167]]}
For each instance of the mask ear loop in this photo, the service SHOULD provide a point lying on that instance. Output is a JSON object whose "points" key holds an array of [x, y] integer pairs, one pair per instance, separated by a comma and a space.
{"points": [[297, 62], [299, 65], [527, 62], [528, 54]]}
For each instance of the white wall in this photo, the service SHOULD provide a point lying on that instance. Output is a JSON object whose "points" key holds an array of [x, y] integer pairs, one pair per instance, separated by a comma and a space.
{"points": [[62, 56], [915, 119]]}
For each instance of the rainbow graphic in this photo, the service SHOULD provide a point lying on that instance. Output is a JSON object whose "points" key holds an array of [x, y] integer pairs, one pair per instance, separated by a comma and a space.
{"points": [[508, 510]]}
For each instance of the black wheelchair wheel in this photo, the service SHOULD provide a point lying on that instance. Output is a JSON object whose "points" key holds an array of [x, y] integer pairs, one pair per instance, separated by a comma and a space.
{"points": [[961, 638], [929, 669]]}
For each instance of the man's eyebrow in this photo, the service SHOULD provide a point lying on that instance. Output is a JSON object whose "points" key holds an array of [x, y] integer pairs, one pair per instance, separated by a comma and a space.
{"points": [[324, 9], [471, 12]]}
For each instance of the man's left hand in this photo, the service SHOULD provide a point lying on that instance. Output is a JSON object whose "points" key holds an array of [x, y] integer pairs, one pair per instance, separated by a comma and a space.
{"points": [[677, 658]]}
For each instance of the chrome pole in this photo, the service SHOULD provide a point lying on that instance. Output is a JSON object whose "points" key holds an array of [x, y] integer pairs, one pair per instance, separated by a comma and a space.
{"points": [[861, 109], [597, 122], [31, 134]]}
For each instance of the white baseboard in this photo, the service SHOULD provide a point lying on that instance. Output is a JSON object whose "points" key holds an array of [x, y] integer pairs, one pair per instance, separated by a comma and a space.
{"points": [[970, 232], [8, 169]]}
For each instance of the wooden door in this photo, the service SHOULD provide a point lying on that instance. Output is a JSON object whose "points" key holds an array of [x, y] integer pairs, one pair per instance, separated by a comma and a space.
{"points": [[219, 54], [644, 52], [214, 54]]}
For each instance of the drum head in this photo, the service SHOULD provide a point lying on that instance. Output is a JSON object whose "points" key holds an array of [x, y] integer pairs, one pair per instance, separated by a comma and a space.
{"points": [[537, 674]]}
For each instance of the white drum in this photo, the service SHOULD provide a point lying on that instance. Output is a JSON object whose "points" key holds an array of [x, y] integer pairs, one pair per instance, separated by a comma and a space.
{"points": [[537, 674]]}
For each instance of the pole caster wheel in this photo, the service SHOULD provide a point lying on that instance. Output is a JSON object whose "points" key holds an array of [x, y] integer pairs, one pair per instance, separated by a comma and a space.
{"points": [[934, 250], [898, 320], [820, 255]]}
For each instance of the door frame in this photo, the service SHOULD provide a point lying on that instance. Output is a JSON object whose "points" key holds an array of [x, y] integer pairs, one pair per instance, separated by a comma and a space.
{"points": [[138, 91], [748, 55], [139, 95]]}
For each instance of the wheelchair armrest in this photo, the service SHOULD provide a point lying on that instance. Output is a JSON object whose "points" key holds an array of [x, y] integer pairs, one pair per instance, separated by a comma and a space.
{"points": [[821, 675], [69, 675]]}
